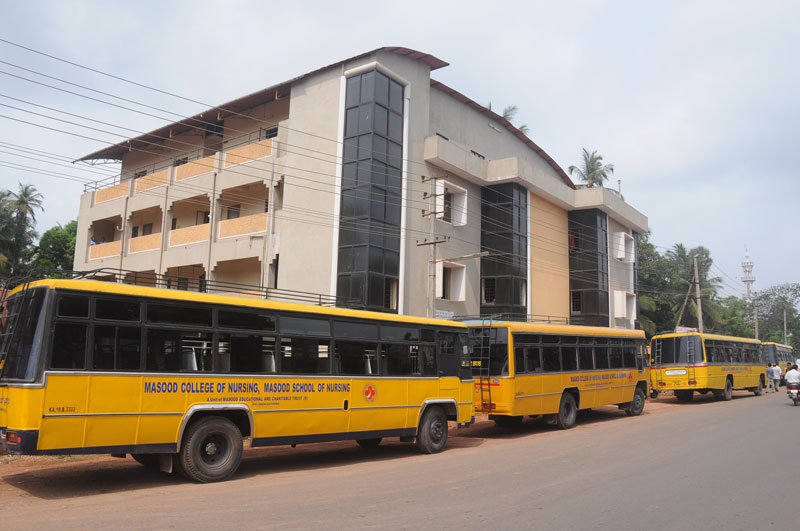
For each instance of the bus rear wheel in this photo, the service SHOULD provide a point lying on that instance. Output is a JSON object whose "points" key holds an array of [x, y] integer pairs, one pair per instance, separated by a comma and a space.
{"points": [[637, 404], [567, 412], [432, 434], [507, 421], [727, 393], [758, 391], [369, 444], [212, 450], [684, 395]]}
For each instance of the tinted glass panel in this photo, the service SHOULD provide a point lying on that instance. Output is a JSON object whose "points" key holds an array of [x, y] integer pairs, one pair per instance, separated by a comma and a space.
{"points": [[398, 333], [246, 320], [301, 355], [73, 306], [302, 325], [175, 350], [585, 358], [629, 355], [519, 360], [247, 354], [551, 359], [360, 330], [129, 348], [116, 310], [69, 346], [569, 358], [428, 335], [533, 359], [181, 315], [601, 357], [355, 357], [103, 354], [400, 360], [428, 353]]}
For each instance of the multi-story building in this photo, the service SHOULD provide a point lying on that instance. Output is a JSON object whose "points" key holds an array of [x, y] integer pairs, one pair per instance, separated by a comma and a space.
{"points": [[370, 181]]}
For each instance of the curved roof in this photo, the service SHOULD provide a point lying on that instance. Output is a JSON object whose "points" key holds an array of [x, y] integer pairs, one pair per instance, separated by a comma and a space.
{"points": [[115, 152]]}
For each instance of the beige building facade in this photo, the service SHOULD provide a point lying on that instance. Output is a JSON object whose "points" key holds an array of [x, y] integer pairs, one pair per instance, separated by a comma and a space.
{"points": [[369, 181]]}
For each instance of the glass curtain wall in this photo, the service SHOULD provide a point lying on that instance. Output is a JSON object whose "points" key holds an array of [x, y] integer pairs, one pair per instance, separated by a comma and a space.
{"points": [[588, 267], [369, 230]]}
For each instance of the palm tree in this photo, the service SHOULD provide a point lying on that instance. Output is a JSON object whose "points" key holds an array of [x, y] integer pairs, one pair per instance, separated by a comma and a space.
{"points": [[509, 113], [593, 172], [17, 223]]}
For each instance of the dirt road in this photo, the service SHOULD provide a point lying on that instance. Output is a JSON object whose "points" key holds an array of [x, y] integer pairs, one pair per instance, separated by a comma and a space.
{"points": [[705, 464]]}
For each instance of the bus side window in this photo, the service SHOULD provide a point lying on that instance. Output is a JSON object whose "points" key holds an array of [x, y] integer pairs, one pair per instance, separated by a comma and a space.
{"points": [[428, 353], [69, 346], [519, 360], [356, 357], [246, 354], [301, 355]]}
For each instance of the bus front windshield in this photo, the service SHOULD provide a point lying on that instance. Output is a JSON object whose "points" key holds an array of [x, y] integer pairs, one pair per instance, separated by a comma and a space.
{"points": [[676, 349], [21, 335]]}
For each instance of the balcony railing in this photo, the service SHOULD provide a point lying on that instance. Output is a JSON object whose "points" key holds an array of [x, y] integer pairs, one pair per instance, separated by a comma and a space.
{"points": [[248, 152], [105, 250], [145, 243], [151, 181], [196, 167], [112, 192], [241, 226], [187, 235]]}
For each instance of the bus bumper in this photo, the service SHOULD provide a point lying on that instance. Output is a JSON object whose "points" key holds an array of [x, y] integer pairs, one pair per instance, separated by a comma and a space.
{"points": [[19, 442]]}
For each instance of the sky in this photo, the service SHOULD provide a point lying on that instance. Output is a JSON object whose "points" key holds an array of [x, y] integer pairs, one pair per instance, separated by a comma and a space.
{"points": [[696, 103]]}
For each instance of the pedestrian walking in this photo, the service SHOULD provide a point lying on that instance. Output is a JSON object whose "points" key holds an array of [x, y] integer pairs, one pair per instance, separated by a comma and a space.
{"points": [[769, 378], [776, 377]]}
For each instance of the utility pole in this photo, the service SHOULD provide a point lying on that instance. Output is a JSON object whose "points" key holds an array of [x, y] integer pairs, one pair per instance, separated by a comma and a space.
{"points": [[433, 242], [755, 310], [785, 340], [699, 298]]}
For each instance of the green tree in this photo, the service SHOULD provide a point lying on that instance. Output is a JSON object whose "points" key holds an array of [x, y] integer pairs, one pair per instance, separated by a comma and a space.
{"points": [[772, 302], [56, 249], [509, 113], [593, 172], [17, 222]]}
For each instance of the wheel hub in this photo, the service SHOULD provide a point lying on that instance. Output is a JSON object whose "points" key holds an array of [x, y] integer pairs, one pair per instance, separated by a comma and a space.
{"points": [[211, 449]]}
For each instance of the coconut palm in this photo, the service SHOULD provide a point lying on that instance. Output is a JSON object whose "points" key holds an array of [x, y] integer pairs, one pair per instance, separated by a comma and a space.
{"points": [[509, 113], [17, 222], [593, 172]]}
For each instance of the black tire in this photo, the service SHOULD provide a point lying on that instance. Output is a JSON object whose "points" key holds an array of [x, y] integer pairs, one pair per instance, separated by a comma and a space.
{"points": [[796, 400], [506, 421], [149, 461], [567, 412], [211, 450], [653, 393], [432, 434], [684, 395], [369, 444], [637, 404], [727, 393], [758, 391]]}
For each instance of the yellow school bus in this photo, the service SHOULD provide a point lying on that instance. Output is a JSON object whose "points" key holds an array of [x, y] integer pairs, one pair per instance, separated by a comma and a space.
{"points": [[555, 370], [689, 362], [179, 379], [783, 355]]}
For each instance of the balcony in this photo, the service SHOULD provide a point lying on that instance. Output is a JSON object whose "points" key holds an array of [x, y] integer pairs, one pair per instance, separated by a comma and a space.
{"points": [[105, 250], [140, 244], [112, 192], [243, 226], [148, 182], [188, 235], [248, 152], [196, 167]]}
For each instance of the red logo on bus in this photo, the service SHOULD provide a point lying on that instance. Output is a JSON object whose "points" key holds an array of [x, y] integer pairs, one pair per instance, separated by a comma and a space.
{"points": [[369, 392]]}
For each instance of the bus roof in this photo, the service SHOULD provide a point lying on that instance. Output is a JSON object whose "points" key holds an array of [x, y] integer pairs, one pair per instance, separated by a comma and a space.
{"points": [[577, 330], [718, 337], [113, 288], [778, 344]]}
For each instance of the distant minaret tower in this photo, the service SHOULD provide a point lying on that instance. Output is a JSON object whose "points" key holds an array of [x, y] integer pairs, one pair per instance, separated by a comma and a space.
{"points": [[748, 278]]}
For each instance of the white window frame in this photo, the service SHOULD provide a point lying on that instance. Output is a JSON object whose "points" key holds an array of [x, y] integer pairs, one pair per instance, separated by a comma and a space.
{"points": [[458, 207], [458, 279]]}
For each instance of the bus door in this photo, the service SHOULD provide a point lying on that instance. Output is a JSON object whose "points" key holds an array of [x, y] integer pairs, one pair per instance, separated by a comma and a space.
{"points": [[449, 360]]}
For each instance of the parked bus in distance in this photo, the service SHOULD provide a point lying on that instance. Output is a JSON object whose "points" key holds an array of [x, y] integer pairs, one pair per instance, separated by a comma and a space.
{"points": [[178, 379], [783, 355], [685, 363], [555, 370]]}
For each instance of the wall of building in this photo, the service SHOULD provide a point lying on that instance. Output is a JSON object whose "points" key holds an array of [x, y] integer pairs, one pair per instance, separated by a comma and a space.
{"points": [[549, 260]]}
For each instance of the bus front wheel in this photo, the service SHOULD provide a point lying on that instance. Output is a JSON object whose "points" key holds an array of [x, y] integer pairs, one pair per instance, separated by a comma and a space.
{"points": [[567, 412], [432, 434], [637, 404], [211, 450]]}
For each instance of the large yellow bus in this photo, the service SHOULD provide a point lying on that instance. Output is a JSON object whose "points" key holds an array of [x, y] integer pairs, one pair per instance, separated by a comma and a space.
{"points": [[555, 370], [179, 379], [782, 355], [689, 362]]}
